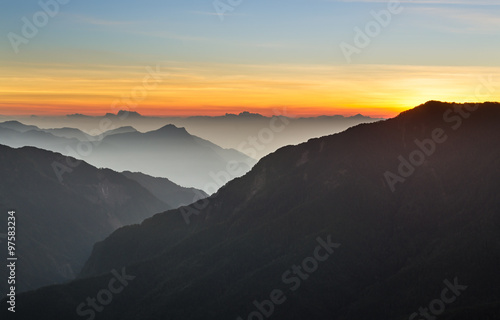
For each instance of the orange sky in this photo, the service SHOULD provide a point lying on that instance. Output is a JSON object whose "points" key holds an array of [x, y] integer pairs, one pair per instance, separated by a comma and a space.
{"points": [[180, 89]]}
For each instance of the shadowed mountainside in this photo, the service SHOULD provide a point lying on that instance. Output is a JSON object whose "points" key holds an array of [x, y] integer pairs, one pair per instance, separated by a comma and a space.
{"points": [[58, 223], [166, 190]]}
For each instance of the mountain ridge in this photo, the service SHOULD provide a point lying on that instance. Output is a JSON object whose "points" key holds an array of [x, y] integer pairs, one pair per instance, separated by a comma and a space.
{"points": [[170, 152]]}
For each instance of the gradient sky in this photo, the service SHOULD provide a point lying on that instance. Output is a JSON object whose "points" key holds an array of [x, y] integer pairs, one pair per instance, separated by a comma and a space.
{"points": [[264, 54]]}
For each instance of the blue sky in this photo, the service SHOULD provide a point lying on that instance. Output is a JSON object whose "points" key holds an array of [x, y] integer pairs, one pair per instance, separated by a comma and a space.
{"points": [[308, 31]]}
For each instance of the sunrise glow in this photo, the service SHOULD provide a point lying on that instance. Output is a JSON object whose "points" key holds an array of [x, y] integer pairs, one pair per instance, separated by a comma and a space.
{"points": [[85, 60]]}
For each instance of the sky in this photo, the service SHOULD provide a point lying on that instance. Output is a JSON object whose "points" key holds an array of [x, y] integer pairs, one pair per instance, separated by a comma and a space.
{"points": [[205, 57]]}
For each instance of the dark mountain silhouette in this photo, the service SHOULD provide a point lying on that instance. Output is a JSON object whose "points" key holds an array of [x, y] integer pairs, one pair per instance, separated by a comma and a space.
{"points": [[393, 251], [58, 223]]}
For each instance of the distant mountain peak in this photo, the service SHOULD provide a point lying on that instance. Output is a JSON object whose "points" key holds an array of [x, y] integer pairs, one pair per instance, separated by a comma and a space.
{"points": [[171, 128], [124, 113], [124, 129], [248, 114], [128, 113], [171, 131], [359, 116], [245, 114], [77, 115], [15, 122], [11, 122], [17, 126]]}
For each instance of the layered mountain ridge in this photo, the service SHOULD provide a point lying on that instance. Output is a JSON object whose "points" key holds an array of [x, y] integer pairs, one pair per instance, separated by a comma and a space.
{"points": [[397, 246], [59, 220], [168, 152]]}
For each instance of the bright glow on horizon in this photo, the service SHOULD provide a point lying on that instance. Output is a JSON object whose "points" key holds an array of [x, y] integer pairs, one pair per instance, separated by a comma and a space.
{"points": [[262, 56], [208, 89]]}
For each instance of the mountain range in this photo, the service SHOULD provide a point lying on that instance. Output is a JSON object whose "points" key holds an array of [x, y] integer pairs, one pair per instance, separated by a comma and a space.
{"points": [[370, 223], [59, 222], [251, 133], [168, 152]]}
